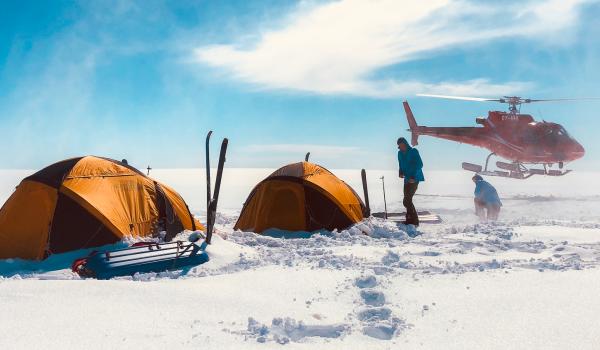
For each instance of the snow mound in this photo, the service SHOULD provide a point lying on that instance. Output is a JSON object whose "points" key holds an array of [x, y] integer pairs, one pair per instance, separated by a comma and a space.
{"points": [[380, 228]]}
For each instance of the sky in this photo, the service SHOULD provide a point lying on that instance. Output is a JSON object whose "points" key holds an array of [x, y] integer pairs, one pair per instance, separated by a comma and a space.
{"points": [[146, 80]]}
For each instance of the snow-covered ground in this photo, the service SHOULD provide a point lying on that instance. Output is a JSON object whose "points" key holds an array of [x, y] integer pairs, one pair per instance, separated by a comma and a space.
{"points": [[530, 281]]}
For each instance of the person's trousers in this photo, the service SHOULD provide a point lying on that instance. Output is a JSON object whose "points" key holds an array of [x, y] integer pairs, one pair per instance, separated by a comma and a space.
{"points": [[482, 208], [411, 213]]}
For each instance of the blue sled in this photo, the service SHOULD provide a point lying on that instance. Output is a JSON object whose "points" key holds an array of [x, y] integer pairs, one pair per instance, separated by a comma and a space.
{"points": [[141, 258]]}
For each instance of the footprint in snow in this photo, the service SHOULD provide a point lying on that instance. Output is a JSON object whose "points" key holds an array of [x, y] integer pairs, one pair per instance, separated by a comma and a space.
{"points": [[375, 314], [376, 319], [285, 330], [372, 297], [365, 282], [381, 331]]}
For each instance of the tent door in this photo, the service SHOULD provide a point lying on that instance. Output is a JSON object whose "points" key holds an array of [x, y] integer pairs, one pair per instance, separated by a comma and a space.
{"points": [[167, 218]]}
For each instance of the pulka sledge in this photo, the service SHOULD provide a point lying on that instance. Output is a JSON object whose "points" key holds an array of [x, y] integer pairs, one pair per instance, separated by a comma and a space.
{"points": [[143, 257]]}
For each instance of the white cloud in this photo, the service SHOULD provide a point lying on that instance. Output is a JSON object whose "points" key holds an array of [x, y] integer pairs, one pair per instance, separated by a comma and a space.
{"points": [[332, 48]]}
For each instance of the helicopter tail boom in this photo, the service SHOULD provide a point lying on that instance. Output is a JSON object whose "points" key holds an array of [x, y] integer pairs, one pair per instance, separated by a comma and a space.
{"points": [[412, 124], [470, 135]]}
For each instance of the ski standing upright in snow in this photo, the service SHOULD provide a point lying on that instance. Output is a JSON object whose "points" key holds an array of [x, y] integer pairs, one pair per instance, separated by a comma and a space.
{"points": [[363, 176], [211, 202]]}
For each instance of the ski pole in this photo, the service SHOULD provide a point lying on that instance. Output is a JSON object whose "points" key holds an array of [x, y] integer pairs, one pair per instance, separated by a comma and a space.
{"points": [[384, 201]]}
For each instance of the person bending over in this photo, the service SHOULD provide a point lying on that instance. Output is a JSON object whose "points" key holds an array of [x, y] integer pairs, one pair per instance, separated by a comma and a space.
{"points": [[487, 201]]}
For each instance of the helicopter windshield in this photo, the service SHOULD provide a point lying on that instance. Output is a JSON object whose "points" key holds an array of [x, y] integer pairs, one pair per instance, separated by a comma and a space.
{"points": [[562, 132], [557, 131]]}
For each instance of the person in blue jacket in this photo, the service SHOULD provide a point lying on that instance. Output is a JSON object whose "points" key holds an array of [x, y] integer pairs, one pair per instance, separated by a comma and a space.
{"points": [[411, 169], [487, 201]]}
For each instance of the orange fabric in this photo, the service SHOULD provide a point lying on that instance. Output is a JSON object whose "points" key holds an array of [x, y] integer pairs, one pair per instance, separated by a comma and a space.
{"points": [[25, 221], [330, 185], [126, 204], [275, 204], [96, 167], [257, 216], [121, 198], [95, 183], [335, 189]]}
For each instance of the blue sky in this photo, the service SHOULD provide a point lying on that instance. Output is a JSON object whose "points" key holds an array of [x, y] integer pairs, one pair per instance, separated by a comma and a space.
{"points": [[145, 80]]}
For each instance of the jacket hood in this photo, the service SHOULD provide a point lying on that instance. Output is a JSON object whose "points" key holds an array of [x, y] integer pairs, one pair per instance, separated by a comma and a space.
{"points": [[404, 141]]}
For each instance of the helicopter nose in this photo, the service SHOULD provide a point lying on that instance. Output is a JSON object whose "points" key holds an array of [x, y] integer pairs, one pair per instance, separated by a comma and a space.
{"points": [[577, 151]]}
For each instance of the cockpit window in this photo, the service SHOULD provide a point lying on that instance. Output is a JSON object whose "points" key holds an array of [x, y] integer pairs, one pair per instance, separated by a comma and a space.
{"points": [[558, 130], [562, 132]]}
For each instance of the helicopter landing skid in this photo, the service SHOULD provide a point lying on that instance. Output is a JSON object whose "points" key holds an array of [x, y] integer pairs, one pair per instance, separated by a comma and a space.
{"points": [[514, 170]]}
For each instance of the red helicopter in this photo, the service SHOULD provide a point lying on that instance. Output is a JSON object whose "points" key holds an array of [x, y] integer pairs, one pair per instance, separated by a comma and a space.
{"points": [[510, 135]]}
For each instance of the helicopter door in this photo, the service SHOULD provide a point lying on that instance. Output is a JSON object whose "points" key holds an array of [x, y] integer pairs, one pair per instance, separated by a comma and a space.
{"points": [[528, 136]]}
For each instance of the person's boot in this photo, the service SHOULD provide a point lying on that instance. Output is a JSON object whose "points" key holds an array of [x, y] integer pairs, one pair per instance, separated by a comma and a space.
{"points": [[411, 231], [410, 220], [415, 219]]}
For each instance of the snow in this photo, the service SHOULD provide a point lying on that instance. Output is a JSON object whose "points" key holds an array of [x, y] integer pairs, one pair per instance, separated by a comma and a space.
{"points": [[283, 331], [527, 281]]}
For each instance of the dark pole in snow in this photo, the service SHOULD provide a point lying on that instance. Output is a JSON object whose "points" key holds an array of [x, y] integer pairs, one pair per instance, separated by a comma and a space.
{"points": [[212, 208], [363, 175], [207, 157], [384, 201]]}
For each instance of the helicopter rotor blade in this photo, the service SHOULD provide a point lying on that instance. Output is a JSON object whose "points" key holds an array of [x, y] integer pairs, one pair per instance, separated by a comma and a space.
{"points": [[511, 100], [479, 99], [561, 99]]}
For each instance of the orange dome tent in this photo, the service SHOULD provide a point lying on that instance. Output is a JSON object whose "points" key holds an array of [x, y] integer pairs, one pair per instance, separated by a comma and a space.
{"points": [[87, 202], [301, 197]]}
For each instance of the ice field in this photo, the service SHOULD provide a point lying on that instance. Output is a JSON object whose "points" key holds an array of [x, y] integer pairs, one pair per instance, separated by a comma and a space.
{"points": [[529, 281]]}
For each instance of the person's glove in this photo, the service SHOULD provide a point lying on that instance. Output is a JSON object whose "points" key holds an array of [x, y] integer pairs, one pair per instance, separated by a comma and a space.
{"points": [[411, 180]]}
